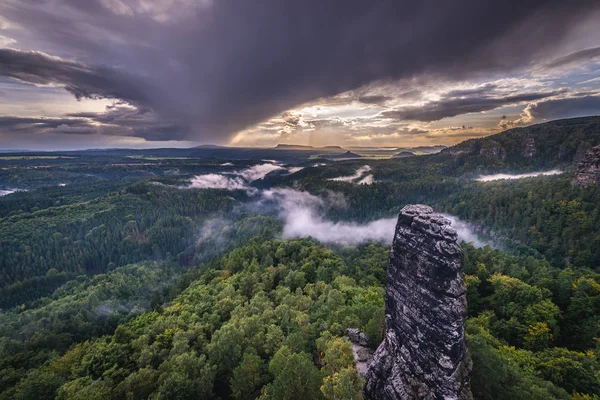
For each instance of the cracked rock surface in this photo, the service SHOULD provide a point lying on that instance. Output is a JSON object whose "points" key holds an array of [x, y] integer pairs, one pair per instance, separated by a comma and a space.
{"points": [[588, 170], [423, 354]]}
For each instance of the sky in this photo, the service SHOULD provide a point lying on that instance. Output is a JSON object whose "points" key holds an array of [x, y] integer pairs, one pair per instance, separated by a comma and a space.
{"points": [[177, 73]]}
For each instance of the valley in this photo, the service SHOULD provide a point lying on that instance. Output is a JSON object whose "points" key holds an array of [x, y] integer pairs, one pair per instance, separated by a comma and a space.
{"points": [[218, 272]]}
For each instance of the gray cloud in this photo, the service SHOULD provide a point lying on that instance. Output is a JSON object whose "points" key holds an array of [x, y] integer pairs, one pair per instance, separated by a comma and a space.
{"points": [[482, 90], [79, 79], [453, 106], [55, 125], [291, 118], [116, 121], [208, 69], [575, 57], [565, 108], [374, 99]]}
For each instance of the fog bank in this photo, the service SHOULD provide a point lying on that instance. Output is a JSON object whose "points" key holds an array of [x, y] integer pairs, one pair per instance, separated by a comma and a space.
{"points": [[236, 180], [304, 216], [218, 181], [359, 177], [495, 177], [4, 192], [466, 233]]}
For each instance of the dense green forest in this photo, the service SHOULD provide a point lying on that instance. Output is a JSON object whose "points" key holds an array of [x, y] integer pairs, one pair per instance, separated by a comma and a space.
{"points": [[119, 279]]}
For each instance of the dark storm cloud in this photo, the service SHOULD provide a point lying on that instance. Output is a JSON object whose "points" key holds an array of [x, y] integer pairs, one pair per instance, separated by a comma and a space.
{"points": [[116, 121], [211, 70], [81, 80], [575, 57], [137, 122], [565, 108], [453, 106], [482, 90], [374, 99], [56, 125]]}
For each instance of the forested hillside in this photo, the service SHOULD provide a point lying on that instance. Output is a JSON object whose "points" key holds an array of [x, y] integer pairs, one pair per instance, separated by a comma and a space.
{"points": [[177, 277]]}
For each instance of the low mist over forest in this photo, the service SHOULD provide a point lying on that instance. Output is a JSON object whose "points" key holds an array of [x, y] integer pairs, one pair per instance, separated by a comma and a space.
{"points": [[230, 273]]}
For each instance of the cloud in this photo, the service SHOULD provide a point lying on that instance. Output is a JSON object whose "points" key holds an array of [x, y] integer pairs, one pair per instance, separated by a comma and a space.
{"points": [[568, 107], [118, 120], [291, 118], [237, 180], [575, 57], [367, 180], [360, 173], [6, 41], [304, 216], [209, 69], [565, 108], [54, 125], [374, 99], [466, 233], [496, 177], [217, 181], [5, 192], [258, 171], [81, 80], [463, 102]]}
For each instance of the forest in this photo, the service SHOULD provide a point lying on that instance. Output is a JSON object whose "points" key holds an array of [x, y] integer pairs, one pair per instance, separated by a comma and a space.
{"points": [[121, 280]]}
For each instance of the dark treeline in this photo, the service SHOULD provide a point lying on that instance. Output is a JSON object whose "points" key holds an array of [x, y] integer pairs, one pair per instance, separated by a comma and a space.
{"points": [[40, 249]]}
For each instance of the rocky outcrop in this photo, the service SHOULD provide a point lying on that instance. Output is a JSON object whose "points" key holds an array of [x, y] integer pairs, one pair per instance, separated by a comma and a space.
{"points": [[360, 350], [529, 148], [492, 150], [588, 170], [423, 355]]}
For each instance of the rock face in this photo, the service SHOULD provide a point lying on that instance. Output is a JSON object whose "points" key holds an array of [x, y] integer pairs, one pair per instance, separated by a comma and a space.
{"points": [[494, 150], [423, 355], [529, 148], [588, 170]]}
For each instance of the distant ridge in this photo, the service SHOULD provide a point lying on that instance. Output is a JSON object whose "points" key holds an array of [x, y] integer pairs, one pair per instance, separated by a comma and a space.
{"points": [[547, 145], [347, 154], [210, 146], [282, 146]]}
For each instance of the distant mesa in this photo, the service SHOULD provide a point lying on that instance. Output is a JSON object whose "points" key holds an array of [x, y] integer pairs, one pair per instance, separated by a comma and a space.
{"points": [[293, 147], [345, 155], [404, 154], [336, 149], [210, 146], [333, 148]]}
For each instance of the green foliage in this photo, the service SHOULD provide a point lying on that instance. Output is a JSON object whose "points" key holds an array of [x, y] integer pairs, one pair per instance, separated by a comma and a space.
{"points": [[549, 215], [119, 286], [295, 377]]}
